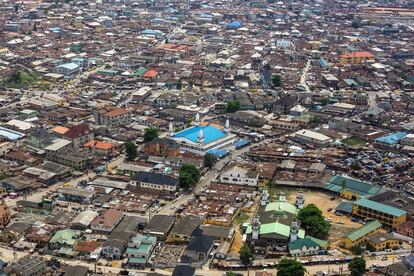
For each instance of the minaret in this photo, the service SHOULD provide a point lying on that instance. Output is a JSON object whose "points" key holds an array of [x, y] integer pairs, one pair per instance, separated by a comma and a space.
{"points": [[282, 197], [227, 126], [300, 200], [197, 120], [264, 197], [171, 129], [255, 228], [294, 229], [200, 137]]}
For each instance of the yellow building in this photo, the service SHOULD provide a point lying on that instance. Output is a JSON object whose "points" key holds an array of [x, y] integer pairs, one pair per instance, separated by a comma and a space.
{"points": [[382, 241], [355, 57], [357, 236], [386, 214]]}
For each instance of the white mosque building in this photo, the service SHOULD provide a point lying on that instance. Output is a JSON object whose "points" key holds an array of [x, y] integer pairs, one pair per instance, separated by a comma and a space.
{"points": [[203, 138]]}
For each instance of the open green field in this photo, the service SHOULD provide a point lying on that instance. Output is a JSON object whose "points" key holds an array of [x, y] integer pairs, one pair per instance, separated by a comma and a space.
{"points": [[354, 141]]}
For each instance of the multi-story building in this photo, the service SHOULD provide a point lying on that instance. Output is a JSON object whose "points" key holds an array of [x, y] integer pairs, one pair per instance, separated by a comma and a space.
{"points": [[113, 116], [382, 241], [4, 214], [388, 215], [358, 236], [356, 57], [239, 176], [162, 147], [155, 181]]}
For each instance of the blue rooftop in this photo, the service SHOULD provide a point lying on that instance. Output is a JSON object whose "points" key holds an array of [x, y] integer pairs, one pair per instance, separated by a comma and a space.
{"points": [[392, 139], [210, 134], [218, 152], [10, 134], [234, 24]]}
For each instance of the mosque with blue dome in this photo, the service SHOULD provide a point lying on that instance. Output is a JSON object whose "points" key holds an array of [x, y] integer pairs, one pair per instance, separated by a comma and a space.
{"points": [[204, 138]]}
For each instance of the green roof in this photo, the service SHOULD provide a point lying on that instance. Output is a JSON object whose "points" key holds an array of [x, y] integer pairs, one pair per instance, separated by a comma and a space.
{"points": [[67, 236], [380, 207], [322, 243], [142, 249], [281, 206], [141, 71], [137, 260], [356, 186], [300, 243], [276, 228], [363, 230], [65, 251]]}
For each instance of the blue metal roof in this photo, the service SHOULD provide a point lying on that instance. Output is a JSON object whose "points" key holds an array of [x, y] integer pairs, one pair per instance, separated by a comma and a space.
{"points": [[392, 139], [210, 134]]}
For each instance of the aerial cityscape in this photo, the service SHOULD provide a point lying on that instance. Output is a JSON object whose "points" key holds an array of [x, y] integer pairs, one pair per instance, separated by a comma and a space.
{"points": [[228, 138]]}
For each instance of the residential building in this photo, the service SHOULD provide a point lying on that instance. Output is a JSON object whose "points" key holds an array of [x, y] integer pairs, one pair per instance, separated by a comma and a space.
{"points": [[112, 116], [162, 147], [358, 236], [107, 221], [387, 215], [139, 249], [69, 70], [312, 137], [66, 238], [79, 135], [4, 214], [240, 176], [155, 181], [356, 57], [198, 251], [76, 195], [160, 226], [28, 265], [184, 228]]}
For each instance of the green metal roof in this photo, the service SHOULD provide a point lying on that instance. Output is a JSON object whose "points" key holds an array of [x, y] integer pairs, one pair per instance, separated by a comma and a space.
{"points": [[142, 249], [281, 206], [300, 243], [322, 243], [276, 228], [356, 186], [67, 236], [363, 230], [137, 260], [380, 207]]}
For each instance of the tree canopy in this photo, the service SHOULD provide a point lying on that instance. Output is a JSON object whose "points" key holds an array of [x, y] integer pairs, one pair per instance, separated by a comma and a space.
{"points": [[233, 106], [313, 222], [209, 160], [150, 134], [189, 176], [357, 266], [290, 267], [277, 81], [130, 150], [246, 256]]}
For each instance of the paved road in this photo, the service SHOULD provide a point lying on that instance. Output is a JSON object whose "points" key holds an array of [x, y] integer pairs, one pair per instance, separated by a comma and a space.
{"points": [[170, 208], [303, 77]]}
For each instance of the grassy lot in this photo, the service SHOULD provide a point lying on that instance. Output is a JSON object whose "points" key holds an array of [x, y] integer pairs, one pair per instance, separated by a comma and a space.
{"points": [[354, 141], [242, 218], [21, 79]]}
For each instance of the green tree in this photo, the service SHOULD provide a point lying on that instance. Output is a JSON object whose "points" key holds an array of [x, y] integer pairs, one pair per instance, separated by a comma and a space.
{"points": [[209, 160], [246, 256], [290, 267], [277, 81], [150, 134], [313, 222], [357, 266], [189, 176], [315, 120], [233, 106], [356, 250], [179, 84], [131, 150]]}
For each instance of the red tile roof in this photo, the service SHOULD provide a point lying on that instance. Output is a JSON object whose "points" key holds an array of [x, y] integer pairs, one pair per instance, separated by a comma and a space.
{"points": [[77, 131]]}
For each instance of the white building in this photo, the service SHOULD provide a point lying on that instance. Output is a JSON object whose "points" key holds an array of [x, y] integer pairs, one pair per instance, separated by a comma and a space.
{"points": [[312, 137], [239, 176]]}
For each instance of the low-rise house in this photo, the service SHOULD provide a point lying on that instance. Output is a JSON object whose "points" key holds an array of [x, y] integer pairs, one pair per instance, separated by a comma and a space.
{"points": [[107, 221], [155, 181], [184, 228], [27, 265], [311, 137], [4, 214], [83, 219], [113, 249], [100, 148], [86, 248], [160, 226], [198, 251], [162, 147], [65, 239], [77, 195]]}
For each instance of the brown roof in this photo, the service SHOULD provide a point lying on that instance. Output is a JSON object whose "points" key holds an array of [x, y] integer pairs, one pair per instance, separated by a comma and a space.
{"points": [[108, 218], [77, 131], [117, 112], [87, 246]]}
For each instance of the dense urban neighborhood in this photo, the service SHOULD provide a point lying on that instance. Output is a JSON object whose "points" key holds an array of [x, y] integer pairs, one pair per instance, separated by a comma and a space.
{"points": [[206, 137]]}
